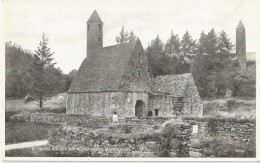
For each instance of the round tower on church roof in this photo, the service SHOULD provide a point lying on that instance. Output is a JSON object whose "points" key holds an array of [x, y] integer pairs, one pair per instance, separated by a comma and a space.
{"points": [[94, 33]]}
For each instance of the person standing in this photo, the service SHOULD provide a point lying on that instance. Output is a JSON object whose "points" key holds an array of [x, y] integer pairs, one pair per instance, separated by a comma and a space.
{"points": [[115, 118]]}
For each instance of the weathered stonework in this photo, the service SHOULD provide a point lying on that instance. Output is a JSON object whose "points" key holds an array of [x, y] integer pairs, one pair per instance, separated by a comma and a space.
{"points": [[75, 141], [239, 129], [75, 120], [105, 103], [138, 76], [119, 78], [241, 47]]}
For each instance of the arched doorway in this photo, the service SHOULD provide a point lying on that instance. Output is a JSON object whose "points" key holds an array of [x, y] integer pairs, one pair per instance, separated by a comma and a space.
{"points": [[139, 109]]}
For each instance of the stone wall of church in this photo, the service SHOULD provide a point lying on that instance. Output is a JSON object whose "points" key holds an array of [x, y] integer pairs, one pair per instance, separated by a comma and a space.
{"points": [[165, 105], [138, 76], [105, 103], [169, 106], [192, 103]]}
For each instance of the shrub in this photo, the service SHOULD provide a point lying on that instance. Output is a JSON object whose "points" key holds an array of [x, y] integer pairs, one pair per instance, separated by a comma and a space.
{"points": [[231, 103], [126, 129]]}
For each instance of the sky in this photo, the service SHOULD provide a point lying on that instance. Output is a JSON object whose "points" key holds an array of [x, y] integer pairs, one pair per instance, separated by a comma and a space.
{"points": [[64, 22]]}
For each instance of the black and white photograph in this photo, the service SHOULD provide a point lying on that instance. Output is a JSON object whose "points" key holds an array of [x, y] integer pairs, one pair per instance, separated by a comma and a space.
{"points": [[136, 80]]}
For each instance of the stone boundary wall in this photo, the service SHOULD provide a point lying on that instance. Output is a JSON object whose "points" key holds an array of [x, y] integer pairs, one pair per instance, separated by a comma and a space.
{"points": [[75, 120], [147, 121], [81, 142], [239, 129]]}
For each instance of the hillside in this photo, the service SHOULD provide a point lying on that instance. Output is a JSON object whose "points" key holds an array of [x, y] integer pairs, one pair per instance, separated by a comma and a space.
{"points": [[19, 74]]}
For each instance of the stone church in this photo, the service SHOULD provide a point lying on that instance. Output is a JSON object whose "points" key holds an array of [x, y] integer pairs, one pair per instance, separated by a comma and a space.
{"points": [[119, 79]]}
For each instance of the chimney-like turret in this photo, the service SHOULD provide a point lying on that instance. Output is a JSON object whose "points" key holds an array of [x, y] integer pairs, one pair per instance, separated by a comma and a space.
{"points": [[94, 33]]}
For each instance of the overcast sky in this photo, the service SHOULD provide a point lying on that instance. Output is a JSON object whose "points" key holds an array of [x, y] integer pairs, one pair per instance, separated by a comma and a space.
{"points": [[64, 22]]}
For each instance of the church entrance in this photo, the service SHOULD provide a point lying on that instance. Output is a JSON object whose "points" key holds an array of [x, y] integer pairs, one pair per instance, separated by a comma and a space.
{"points": [[139, 109]]}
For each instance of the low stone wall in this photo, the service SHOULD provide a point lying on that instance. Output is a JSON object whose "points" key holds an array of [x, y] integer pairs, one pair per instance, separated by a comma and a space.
{"points": [[148, 120], [75, 120], [242, 131], [81, 142], [239, 129]]}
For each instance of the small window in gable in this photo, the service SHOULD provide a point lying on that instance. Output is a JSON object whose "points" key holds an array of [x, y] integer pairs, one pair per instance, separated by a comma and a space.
{"points": [[99, 39], [88, 27]]}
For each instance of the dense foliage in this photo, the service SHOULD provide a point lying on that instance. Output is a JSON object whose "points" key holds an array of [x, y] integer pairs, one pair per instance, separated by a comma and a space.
{"points": [[214, 68], [21, 74], [125, 37]]}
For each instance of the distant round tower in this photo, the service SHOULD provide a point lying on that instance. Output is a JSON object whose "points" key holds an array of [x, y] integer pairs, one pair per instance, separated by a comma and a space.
{"points": [[94, 33], [241, 46]]}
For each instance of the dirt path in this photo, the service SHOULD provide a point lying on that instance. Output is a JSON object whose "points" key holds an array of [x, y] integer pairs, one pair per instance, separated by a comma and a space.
{"points": [[26, 144]]}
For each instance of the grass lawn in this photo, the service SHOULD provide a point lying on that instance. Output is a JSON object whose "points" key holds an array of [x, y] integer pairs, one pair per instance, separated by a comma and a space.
{"points": [[52, 105], [25, 152], [17, 132], [19, 105], [234, 107]]}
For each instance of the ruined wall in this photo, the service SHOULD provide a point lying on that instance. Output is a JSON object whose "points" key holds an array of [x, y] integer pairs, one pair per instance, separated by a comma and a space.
{"points": [[74, 141], [236, 136], [105, 103], [243, 130], [147, 121], [75, 120]]}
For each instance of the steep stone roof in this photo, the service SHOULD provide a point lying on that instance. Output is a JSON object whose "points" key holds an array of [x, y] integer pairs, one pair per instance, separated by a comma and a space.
{"points": [[173, 85], [104, 69], [94, 17]]}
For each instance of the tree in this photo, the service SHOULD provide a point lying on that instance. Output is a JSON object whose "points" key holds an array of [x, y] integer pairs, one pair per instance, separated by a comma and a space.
{"points": [[69, 78], [155, 54], [132, 37], [123, 36], [17, 63], [202, 43], [42, 62], [211, 47], [173, 46], [224, 47], [188, 45]]}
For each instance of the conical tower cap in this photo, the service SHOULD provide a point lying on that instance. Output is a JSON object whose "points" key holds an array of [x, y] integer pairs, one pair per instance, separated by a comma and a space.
{"points": [[94, 18], [240, 25]]}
